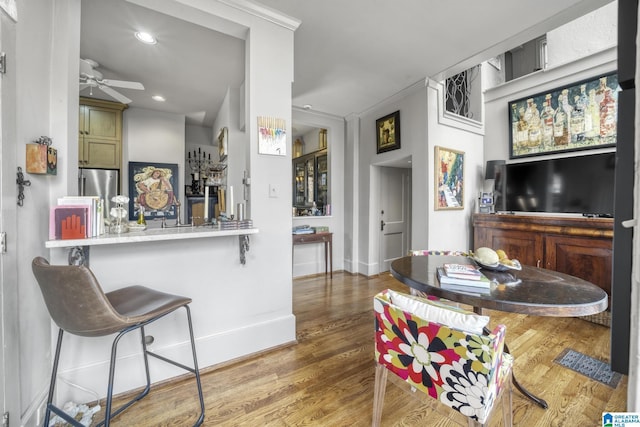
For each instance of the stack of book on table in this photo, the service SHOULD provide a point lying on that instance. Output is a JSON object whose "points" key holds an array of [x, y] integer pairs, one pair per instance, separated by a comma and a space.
{"points": [[463, 277], [76, 217], [303, 229]]}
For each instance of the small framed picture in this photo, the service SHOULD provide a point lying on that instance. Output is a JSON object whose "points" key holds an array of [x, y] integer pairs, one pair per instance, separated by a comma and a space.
{"points": [[388, 132], [486, 198], [153, 188], [223, 142], [449, 179]]}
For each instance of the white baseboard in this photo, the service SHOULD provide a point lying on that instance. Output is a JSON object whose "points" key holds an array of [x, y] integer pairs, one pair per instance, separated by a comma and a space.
{"points": [[211, 350]]}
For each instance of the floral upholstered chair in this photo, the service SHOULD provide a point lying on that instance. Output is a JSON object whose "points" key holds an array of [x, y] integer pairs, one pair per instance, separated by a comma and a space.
{"points": [[442, 352]]}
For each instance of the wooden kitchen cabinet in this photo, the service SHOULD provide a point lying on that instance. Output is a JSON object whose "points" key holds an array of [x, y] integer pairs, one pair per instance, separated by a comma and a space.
{"points": [[100, 134], [581, 247]]}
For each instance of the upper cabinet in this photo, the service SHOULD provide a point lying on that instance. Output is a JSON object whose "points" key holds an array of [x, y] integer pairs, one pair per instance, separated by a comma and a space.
{"points": [[100, 134], [311, 195], [311, 184]]}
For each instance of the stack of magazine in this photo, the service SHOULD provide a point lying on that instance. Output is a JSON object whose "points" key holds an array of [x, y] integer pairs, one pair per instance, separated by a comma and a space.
{"points": [[463, 277]]}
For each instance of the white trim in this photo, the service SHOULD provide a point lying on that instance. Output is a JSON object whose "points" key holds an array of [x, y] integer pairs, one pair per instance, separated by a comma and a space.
{"points": [[394, 98], [264, 12], [600, 62], [447, 118], [9, 6]]}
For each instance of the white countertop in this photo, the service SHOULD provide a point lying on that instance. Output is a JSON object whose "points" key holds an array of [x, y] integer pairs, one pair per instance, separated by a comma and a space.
{"points": [[150, 235]]}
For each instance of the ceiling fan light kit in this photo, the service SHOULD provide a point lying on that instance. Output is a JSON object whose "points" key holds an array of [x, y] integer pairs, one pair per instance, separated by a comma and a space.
{"points": [[91, 77]]}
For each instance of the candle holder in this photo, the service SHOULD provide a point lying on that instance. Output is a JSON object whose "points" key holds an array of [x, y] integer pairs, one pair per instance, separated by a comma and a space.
{"points": [[200, 165]]}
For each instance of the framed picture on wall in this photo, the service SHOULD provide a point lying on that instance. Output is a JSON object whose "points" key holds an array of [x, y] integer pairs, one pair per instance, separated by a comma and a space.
{"points": [[388, 132], [449, 178], [223, 142], [272, 136], [153, 188], [580, 116]]}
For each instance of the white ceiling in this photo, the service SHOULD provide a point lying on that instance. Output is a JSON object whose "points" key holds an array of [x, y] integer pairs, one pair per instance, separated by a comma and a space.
{"points": [[191, 66], [349, 55]]}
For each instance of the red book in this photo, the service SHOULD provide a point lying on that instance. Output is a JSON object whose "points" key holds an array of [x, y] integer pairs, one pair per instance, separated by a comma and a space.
{"points": [[68, 222]]}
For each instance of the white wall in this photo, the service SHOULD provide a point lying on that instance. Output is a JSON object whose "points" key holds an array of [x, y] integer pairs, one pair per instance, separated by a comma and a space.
{"points": [[237, 148], [581, 49], [33, 118], [451, 229], [412, 104], [238, 309], [593, 32], [152, 136], [198, 137], [496, 99], [423, 126]]}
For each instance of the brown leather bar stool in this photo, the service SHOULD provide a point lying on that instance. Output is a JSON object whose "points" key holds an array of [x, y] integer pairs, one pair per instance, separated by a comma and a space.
{"points": [[78, 306]]}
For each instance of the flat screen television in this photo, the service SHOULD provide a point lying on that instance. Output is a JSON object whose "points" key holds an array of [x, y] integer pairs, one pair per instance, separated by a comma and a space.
{"points": [[579, 185]]}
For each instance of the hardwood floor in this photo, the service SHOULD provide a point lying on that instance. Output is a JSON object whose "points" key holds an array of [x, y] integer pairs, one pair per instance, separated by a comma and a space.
{"points": [[326, 379]]}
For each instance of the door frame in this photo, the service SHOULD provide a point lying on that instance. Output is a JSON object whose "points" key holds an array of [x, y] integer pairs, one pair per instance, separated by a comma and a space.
{"points": [[407, 187], [9, 332]]}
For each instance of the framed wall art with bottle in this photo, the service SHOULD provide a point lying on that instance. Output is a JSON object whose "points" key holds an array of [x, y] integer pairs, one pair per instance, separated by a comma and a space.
{"points": [[579, 116]]}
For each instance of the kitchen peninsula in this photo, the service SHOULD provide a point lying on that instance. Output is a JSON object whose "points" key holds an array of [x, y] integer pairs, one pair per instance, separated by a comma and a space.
{"points": [[202, 263], [156, 235], [152, 234]]}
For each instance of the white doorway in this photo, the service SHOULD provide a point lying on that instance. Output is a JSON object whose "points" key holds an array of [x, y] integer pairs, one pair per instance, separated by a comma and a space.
{"points": [[395, 214], [9, 335]]}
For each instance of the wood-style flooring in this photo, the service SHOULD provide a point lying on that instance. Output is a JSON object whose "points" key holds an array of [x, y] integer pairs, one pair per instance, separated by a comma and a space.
{"points": [[326, 379]]}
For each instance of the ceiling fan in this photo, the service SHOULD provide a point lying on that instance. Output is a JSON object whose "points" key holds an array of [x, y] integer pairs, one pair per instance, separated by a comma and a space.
{"points": [[90, 77]]}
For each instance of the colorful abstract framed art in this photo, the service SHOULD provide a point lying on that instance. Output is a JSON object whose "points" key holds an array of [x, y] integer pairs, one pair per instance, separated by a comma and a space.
{"points": [[449, 179]]}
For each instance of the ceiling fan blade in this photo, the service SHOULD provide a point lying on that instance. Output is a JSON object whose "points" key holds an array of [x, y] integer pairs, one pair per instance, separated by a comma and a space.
{"points": [[117, 95], [123, 84]]}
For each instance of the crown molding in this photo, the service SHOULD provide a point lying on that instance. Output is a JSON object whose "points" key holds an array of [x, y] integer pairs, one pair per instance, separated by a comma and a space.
{"points": [[264, 12]]}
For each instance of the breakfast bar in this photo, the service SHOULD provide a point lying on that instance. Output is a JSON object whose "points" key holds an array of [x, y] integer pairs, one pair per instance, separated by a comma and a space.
{"points": [[201, 263], [153, 235]]}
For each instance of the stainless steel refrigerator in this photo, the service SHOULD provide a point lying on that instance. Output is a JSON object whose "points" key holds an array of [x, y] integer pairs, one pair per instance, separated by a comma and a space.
{"points": [[103, 183]]}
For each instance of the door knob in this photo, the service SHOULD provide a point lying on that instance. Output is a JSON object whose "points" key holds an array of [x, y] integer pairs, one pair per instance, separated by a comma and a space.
{"points": [[382, 224]]}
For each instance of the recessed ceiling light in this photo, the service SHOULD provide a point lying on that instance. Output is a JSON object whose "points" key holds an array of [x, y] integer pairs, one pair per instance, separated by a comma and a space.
{"points": [[158, 98], [307, 106], [145, 37]]}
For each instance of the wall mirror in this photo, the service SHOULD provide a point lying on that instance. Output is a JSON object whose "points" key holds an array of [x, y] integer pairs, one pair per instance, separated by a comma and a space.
{"points": [[310, 172]]}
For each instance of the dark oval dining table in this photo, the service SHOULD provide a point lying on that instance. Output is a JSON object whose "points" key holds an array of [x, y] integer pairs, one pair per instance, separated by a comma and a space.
{"points": [[532, 290]]}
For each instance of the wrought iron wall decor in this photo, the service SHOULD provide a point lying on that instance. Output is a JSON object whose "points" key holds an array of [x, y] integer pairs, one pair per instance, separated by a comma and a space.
{"points": [[21, 184], [458, 92]]}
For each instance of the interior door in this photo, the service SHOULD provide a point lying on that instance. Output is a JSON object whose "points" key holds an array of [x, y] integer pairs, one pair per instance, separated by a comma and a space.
{"points": [[395, 214]]}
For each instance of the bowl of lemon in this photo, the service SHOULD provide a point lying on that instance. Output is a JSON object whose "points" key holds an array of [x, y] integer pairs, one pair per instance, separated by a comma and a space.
{"points": [[495, 260]]}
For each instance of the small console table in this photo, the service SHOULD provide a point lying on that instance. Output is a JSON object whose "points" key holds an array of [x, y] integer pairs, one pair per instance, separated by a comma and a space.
{"points": [[327, 239]]}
